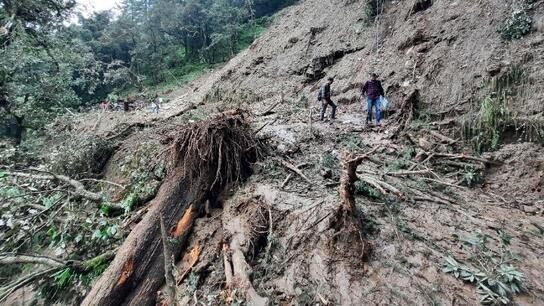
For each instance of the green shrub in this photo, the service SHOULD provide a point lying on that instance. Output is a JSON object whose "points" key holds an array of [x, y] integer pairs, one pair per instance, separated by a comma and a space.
{"points": [[471, 176], [493, 274], [486, 130], [516, 26], [329, 161], [365, 189]]}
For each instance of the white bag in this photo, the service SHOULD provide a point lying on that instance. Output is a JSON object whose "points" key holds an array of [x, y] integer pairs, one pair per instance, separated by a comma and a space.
{"points": [[384, 103]]}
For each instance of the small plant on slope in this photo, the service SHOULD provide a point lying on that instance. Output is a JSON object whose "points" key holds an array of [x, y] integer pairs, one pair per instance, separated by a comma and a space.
{"points": [[496, 280], [517, 25]]}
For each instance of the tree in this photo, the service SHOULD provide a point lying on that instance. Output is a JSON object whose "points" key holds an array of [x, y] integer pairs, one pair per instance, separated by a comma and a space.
{"points": [[27, 55]]}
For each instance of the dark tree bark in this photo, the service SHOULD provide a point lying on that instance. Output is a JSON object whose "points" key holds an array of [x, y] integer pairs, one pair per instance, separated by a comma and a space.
{"points": [[137, 272]]}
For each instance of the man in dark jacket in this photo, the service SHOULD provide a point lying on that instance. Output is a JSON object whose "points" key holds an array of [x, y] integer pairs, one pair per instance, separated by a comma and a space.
{"points": [[373, 90], [326, 99]]}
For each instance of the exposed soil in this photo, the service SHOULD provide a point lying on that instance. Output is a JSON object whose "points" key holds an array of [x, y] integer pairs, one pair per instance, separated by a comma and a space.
{"points": [[433, 55]]}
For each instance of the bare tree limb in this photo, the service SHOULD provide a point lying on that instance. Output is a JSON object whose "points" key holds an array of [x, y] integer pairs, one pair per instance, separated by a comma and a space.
{"points": [[11, 258], [78, 186], [467, 157], [406, 173], [103, 181], [293, 168], [14, 258], [23, 281]]}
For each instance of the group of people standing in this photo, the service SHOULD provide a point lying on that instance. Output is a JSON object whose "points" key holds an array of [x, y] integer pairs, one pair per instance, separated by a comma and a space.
{"points": [[372, 90], [125, 105]]}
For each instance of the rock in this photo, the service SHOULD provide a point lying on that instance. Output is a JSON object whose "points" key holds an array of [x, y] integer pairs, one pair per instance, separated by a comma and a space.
{"points": [[425, 144], [530, 209], [538, 24], [493, 69], [293, 40], [409, 64], [424, 47], [537, 41]]}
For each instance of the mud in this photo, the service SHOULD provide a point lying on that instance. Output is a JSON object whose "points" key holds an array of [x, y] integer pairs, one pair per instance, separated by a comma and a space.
{"points": [[430, 50]]}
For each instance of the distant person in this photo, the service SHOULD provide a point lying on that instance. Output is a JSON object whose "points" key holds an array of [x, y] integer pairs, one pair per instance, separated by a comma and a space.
{"points": [[325, 98], [156, 105], [103, 105], [126, 105], [373, 90]]}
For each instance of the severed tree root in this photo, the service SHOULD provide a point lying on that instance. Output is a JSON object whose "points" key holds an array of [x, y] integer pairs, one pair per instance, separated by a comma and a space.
{"points": [[237, 270], [349, 176]]}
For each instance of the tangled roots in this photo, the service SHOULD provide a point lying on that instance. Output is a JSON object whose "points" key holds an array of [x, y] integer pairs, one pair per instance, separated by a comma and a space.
{"points": [[220, 150]]}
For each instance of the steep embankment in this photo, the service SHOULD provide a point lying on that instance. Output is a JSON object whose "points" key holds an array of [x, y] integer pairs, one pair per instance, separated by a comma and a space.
{"points": [[288, 237]]}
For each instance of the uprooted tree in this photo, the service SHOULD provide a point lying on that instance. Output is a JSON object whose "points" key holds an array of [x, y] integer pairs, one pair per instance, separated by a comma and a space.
{"points": [[205, 158]]}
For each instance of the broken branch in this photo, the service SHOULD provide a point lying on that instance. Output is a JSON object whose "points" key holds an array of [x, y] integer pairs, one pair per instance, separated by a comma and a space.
{"points": [[78, 186], [467, 157], [291, 167]]}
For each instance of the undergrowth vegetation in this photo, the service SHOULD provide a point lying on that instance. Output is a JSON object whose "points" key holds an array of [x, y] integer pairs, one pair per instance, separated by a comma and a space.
{"points": [[78, 157], [495, 114], [44, 217], [373, 9], [518, 23], [143, 172], [491, 271]]}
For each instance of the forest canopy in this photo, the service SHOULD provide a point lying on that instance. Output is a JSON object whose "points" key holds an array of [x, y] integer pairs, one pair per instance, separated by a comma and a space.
{"points": [[49, 64]]}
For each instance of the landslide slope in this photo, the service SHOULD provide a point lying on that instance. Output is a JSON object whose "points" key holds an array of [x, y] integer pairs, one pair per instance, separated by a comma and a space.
{"points": [[438, 61], [424, 194]]}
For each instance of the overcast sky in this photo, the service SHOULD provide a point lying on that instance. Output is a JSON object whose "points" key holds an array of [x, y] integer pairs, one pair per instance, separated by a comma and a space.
{"points": [[90, 6]]}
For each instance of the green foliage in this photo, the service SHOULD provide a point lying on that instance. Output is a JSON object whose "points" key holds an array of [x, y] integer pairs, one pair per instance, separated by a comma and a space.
{"points": [[144, 173], [192, 283], [105, 231], [47, 66], [495, 278], [471, 176], [63, 277], [43, 73], [397, 164], [329, 161], [516, 25], [365, 189], [485, 131], [52, 200]]}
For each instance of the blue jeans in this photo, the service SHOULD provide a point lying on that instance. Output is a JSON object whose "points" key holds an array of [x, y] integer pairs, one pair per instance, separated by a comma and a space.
{"points": [[370, 104]]}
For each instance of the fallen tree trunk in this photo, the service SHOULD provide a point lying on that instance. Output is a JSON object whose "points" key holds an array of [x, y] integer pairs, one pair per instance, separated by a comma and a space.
{"points": [[206, 157]]}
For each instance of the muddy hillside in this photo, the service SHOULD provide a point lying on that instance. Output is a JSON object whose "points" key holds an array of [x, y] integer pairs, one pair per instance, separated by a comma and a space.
{"points": [[239, 195]]}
